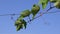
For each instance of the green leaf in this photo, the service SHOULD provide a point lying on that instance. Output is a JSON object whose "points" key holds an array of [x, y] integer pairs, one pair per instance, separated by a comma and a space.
{"points": [[35, 9], [18, 21], [44, 3], [57, 4], [19, 26], [20, 17], [25, 13]]}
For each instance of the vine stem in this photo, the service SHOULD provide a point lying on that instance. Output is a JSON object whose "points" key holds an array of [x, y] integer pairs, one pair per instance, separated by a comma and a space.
{"points": [[35, 17], [43, 14], [9, 14]]}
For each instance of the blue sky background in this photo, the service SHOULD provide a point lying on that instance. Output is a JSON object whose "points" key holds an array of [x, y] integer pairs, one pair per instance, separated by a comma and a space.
{"points": [[37, 26]]}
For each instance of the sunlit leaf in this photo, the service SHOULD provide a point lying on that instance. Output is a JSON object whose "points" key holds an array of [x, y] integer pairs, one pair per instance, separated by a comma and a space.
{"points": [[35, 9], [44, 3], [18, 21], [25, 13], [57, 4], [19, 26]]}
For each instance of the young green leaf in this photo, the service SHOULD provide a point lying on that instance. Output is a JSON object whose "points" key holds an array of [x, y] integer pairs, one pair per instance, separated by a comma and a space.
{"points": [[18, 21], [19, 26], [57, 4], [35, 9], [44, 3], [25, 13]]}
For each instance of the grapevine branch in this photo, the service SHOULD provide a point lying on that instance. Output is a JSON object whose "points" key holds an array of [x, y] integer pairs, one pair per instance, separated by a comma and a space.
{"points": [[44, 13], [35, 17]]}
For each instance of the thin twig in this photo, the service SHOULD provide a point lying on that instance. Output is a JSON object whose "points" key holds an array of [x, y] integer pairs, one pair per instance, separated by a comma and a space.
{"points": [[9, 14], [43, 14], [50, 8], [35, 17]]}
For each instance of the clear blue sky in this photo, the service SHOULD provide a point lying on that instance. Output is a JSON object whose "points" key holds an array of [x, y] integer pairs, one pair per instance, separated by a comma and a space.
{"points": [[36, 27]]}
